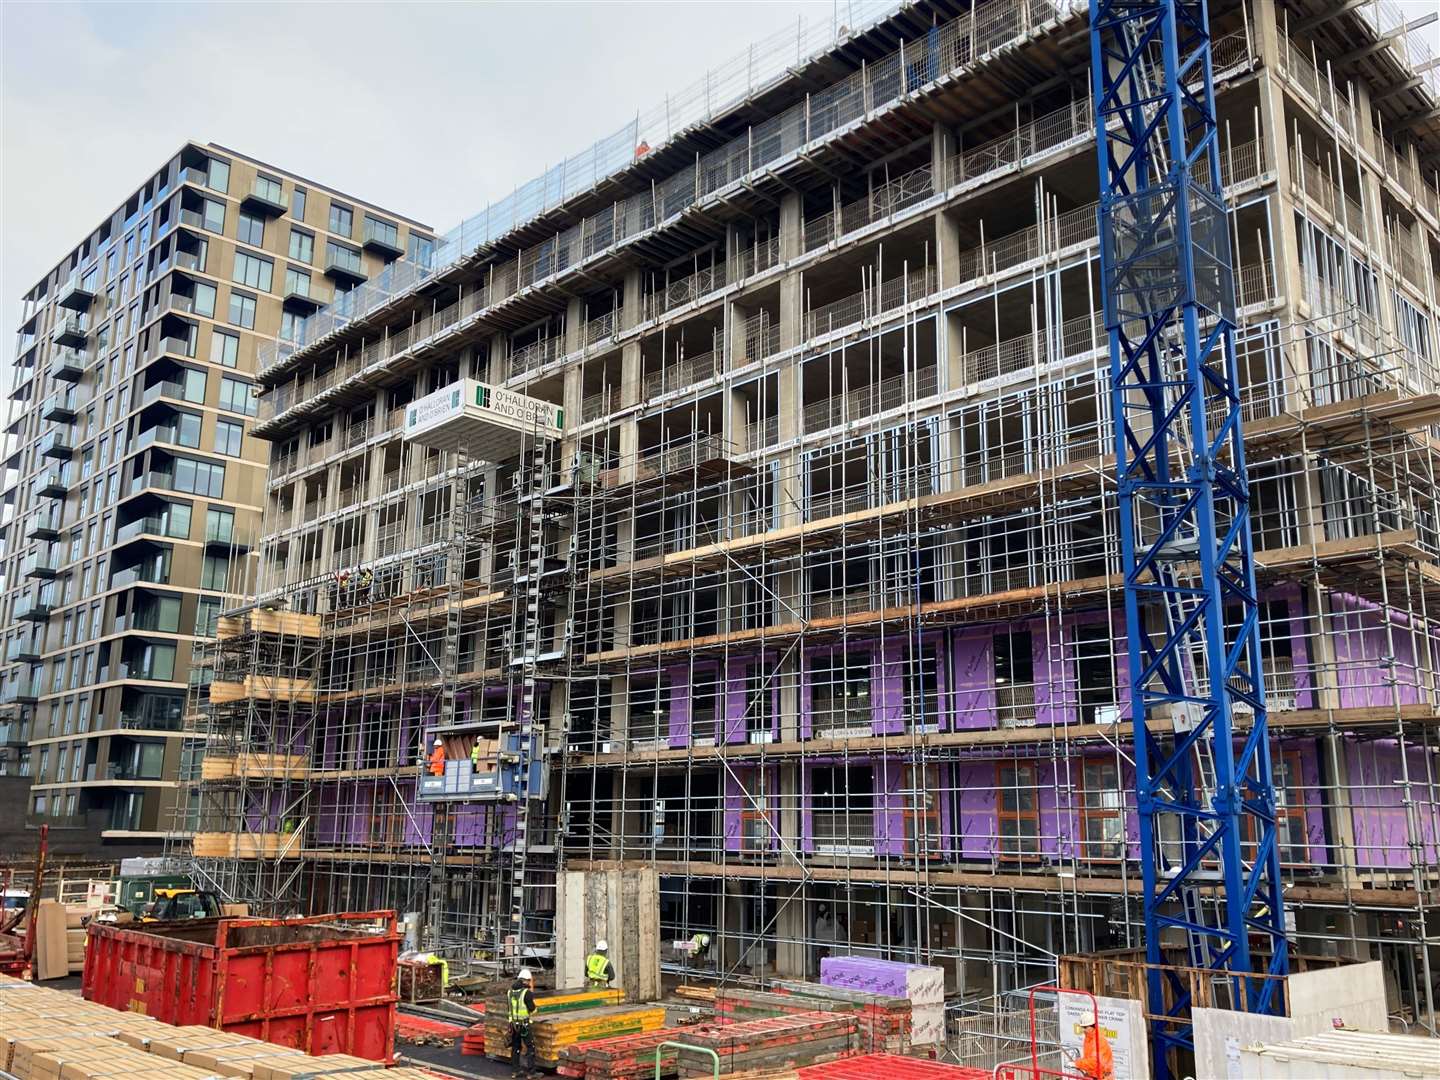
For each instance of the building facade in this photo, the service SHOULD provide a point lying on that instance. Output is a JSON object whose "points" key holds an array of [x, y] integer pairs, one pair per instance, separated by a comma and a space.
{"points": [[133, 484], [815, 608]]}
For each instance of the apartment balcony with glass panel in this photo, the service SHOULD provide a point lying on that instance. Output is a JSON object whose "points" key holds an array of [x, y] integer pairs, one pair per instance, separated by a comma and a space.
{"points": [[60, 407], [383, 238], [69, 365], [70, 329], [266, 196], [78, 291]]}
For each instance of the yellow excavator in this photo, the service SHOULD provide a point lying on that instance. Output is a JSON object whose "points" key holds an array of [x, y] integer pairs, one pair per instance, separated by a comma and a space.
{"points": [[172, 904]]}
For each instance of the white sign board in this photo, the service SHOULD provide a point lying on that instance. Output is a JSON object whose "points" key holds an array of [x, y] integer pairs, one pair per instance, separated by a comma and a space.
{"points": [[1121, 1022], [489, 422]]}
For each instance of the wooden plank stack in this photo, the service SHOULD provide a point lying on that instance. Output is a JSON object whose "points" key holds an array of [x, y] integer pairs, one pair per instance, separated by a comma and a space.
{"points": [[565, 1017], [779, 1042], [46, 1034]]}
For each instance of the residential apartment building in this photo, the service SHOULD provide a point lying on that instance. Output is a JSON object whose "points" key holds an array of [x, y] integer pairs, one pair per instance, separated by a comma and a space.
{"points": [[815, 607], [133, 485]]}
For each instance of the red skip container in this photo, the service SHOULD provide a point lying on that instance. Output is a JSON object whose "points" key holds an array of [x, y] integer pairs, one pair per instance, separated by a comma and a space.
{"points": [[324, 985]]}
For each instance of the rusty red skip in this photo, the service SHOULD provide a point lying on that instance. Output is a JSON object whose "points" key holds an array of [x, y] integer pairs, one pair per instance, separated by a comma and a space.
{"points": [[323, 984]]}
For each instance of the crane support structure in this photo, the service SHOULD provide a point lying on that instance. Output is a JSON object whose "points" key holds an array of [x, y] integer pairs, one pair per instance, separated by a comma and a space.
{"points": [[1206, 801]]}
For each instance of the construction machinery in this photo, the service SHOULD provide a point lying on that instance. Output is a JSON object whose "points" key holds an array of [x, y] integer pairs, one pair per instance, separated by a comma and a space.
{"points": [[1191, 609]]}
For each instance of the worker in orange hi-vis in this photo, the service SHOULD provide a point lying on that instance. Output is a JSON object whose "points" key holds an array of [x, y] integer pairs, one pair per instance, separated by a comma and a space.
{"points": [[437, 758], [1096, 1060]]}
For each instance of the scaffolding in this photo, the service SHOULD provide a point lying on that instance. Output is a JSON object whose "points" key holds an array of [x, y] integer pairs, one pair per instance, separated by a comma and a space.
{"points": [[815, 609]]}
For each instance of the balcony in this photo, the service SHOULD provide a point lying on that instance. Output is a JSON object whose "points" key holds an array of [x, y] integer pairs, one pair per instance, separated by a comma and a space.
{"points": [[225, 537], [168, 346], [21, 693], [70, 330], [344, 265], [52, 484], [37, 611], [75, 294], [167, 389], [382, 238], [265, 197], [43, 567], [302, 300], [150, 479], [69, 364], [140, 574], [56, 445], [59, 408], [44, 527], [22, 651]]}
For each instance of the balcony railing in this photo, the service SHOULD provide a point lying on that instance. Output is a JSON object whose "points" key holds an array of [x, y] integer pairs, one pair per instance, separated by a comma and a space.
{"points": [[877, 86], [866, 401]]}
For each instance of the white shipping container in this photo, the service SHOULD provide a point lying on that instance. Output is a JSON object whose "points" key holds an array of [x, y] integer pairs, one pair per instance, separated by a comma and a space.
{"points": [[1341, 1055]]}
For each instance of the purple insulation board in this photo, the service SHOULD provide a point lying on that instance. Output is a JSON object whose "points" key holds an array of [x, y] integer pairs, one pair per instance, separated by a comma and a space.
{"points": [[921, 985]]}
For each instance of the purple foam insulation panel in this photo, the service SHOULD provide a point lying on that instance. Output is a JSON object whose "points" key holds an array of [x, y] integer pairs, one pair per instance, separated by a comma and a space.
{"points": [[917, 983], [735, 701], [1308, 799], [1055, 685], [975, 782], [1360, 651], [1377, 799], [890, 804], [887, 689], [1047, 804], [974, 682], [737, 804], [677, 730], [947, 816]]}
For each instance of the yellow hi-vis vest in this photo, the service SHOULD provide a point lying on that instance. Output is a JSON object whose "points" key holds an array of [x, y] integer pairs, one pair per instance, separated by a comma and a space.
{"points": [[519, 1014], [595, 965]]}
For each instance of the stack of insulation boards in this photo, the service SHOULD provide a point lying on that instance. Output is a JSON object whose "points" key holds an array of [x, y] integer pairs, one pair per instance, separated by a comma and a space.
{"points": [[565, 1017], [778, 1042], [882, 1022], [51, 1035], [923, 987], [626, 1057]]}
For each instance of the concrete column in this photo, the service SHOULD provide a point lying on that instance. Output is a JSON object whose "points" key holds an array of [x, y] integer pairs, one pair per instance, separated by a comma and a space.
{"points": [[633, 293], [792, 960], [574, 324], [497, 364], [947, 226], [792, 225]]}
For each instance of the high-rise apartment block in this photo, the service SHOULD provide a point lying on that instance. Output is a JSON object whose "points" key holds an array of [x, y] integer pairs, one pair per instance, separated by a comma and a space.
{"points": [[133, 482], [814, 607]]}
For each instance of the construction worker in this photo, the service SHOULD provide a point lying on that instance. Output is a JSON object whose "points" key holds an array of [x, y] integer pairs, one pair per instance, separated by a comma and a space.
{"points": [[437, 758], [700, 946], [522, 1008], [598, 969], [1096, 1060]]}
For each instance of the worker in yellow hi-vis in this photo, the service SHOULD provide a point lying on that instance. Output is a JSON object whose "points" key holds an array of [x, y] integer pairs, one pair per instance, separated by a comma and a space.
{"points": [[599, 971]]}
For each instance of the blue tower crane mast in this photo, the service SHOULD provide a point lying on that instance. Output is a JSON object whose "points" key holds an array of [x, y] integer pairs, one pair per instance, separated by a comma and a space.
{"points": [[1210, 865]]}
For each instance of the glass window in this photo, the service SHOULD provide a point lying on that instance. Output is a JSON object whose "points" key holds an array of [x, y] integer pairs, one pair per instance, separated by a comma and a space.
{"points": [[420, 249], [250, 229], [219, 526], [235, 395], [342, 219], [342, 256], [214, 219], [192, 383], [384, 231], [224, 348], [297, 282], [291, 325], [187, 430], [242, 310], [215, 572], [227, 438], [1103, 810], [204, 300], [1018, 812], [267, 187], [219, 175], [297, 204], [253, 271], [302, 246]]}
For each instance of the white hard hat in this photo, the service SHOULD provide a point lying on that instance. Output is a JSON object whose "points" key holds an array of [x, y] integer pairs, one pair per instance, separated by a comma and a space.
{"points": [[525, 975], [1087, 1017], [439, 741], [601, 946]]}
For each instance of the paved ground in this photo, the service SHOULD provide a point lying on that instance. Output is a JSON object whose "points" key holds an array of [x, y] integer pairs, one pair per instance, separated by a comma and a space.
{"points": [[449, 1059]]}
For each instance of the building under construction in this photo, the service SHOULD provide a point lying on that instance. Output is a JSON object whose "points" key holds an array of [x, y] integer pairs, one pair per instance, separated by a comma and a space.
{"points": [[805, 593]]}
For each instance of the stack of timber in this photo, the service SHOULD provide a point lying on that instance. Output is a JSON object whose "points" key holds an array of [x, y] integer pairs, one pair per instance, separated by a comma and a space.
{"points": [[564, 1017], [922, 986], [626, 1057], [50, 1035], [774, 1043], [882, 1021]]}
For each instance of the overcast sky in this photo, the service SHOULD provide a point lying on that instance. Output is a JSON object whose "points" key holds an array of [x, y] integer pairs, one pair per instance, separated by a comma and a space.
{"points": [[430, 110]]}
